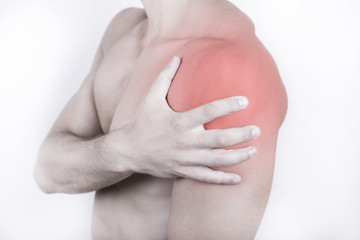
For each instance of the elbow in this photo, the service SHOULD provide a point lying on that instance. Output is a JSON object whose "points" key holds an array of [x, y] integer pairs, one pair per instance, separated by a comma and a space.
{"points": [[44, 182], [44, 175], [42, 172], [50, 175], [48, 183]]}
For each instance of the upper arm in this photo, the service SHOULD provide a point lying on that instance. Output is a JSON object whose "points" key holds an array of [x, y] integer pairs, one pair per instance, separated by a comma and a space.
{"points": [[201, 210], [79, 116]]}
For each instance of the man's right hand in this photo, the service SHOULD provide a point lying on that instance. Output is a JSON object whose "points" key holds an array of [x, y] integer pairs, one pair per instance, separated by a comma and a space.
{"points": [[168, 144]]}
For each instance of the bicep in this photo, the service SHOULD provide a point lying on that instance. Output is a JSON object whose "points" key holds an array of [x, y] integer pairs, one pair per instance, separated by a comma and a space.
{"points": [[209, 211]]}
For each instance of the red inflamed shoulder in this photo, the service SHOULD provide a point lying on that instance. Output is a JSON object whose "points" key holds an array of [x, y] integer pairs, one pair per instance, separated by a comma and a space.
{"points": [[221, 70]]}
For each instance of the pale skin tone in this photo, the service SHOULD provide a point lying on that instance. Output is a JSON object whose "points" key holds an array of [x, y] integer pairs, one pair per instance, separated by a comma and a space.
{"points": [[119, 136]]}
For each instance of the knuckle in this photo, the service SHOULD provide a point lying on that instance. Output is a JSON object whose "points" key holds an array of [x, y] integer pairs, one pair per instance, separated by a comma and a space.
{"points": [[181, 143], [209, 110], [221, 178], [245, 154], [232, 158], [177, 123], [219, 158], [223, 139], [233, 104], [242, 156], [212, 180], [243, 135], [178, 171], [218, 162], [249, 133], [184, 161]]}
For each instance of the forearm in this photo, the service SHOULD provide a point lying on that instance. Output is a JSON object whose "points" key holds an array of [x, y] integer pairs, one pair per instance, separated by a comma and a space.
{"points": [[70, 164]]}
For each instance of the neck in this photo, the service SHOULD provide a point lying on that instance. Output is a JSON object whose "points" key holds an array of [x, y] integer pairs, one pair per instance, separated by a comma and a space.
{"points": [[179, 19]]}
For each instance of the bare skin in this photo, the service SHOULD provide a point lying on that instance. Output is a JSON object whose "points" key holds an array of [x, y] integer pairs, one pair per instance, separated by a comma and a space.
{"points": [[118, 135]]}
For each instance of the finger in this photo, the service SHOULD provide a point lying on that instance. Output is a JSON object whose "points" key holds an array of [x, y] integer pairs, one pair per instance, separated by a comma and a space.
{"points": [[208, 175], [161, 85], [215, 109], [225, 137], [220, 157]]}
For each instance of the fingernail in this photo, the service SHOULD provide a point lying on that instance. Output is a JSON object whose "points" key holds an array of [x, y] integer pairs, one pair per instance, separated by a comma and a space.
{"points": [[236, 180], [255, 132], [243, 102], [172, 62], [175, 61], [252, 152]]}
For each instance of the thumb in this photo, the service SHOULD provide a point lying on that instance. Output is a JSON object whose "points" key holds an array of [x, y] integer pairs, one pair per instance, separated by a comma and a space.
{"points": [[161, 85]]}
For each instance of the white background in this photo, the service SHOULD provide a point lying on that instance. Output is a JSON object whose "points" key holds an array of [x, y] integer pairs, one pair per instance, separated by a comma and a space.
{"points": [[46, 49]]}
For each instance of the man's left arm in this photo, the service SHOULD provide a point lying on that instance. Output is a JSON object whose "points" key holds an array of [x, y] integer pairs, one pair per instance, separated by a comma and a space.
{"points": [[210, 211]]}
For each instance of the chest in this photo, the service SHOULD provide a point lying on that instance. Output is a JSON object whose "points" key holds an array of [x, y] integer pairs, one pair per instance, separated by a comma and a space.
{"points": [[124, 78]]}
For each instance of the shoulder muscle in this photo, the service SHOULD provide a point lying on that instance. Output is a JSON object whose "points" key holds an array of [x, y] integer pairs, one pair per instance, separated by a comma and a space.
{"points": [[221, 69]]}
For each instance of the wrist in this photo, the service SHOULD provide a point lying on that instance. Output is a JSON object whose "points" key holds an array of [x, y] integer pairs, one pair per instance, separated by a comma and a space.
{"points": [[115, 153]]}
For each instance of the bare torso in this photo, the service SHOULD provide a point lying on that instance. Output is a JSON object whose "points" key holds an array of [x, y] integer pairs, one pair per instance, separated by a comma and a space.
{"points": [[138, 207]]}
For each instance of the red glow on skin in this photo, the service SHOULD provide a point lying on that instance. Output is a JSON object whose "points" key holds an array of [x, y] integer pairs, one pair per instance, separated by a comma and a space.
{"points": [[214, 69]]}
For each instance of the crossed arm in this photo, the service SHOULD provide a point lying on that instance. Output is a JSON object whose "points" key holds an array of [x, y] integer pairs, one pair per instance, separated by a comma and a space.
{"points": [[77, 156]]}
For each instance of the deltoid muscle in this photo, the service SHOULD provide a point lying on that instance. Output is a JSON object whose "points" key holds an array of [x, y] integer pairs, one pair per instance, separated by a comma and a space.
{"points": [[213, 69]]}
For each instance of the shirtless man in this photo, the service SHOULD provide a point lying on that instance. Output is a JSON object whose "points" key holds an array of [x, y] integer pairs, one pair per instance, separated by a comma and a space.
{"points": [[120, 137]]}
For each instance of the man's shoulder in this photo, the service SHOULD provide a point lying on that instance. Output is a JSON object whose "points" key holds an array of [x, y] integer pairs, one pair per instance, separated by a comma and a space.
{"points": [[122, 23], [131, 14], [226, 54], [216, 68], [228, 61]]}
